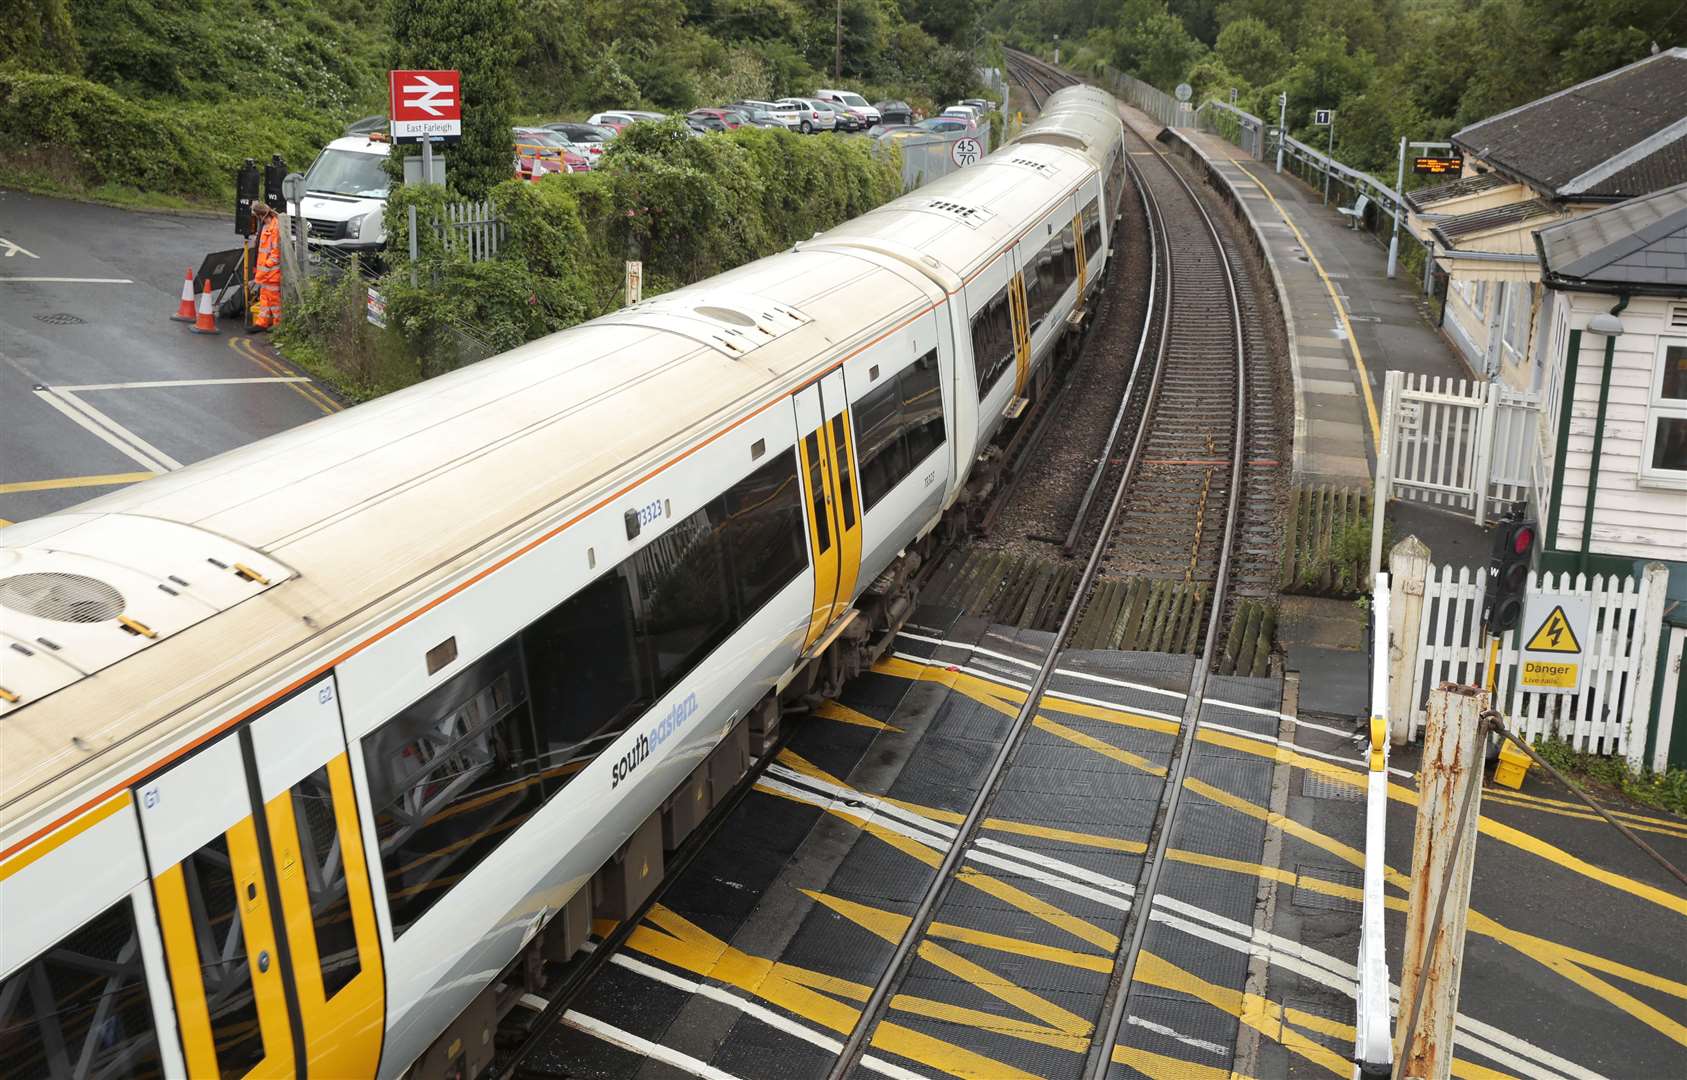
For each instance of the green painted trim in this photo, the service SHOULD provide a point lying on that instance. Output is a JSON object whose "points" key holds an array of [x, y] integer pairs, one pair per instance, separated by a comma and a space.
{"points": [[1576, 562], [1598, 447], [1565, 410]]}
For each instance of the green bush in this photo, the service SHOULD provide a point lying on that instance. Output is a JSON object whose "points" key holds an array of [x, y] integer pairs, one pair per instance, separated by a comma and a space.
{"points": [[99, 135]]}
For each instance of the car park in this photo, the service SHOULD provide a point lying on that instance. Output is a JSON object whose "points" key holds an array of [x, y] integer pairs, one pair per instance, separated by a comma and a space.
{"points": [[895, 112], [620, 119], [947, 124], [345, 202], [811, 115], [587, 140], [843, 119], [539, 152], [788, 115], [727, 119], [852, 102]]}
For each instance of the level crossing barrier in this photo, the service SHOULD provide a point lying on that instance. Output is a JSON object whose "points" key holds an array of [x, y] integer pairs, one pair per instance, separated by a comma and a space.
{"points": [[1373, 1043], [1440, 639]]}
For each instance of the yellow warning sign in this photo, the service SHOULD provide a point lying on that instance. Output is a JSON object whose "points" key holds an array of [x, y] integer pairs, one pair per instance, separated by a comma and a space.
{"points": [[1554, 635], [1539, 674]]}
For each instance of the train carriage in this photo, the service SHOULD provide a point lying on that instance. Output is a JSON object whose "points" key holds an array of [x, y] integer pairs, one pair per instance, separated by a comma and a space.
{"points": [[311, 750]]}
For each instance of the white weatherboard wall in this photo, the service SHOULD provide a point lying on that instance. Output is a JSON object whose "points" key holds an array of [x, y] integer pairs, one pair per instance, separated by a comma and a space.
{"points": [[1633, 517]]}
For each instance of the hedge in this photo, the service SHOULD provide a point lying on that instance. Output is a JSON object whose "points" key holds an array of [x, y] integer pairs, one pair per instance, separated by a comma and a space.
{"points": [[689, 208]]}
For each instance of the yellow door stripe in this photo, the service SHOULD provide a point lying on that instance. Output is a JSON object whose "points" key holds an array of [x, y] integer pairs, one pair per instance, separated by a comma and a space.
{"points": [[820, 518], [181, 952], [848, 506], [258, 929], [65, 835]]}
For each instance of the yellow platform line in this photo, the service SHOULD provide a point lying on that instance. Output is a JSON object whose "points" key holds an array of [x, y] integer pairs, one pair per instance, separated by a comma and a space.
{"points": [[103, 480], [1341, 311], [843, 714]]}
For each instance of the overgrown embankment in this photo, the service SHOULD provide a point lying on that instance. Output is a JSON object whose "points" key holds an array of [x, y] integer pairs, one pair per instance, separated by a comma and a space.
{"points": [[689, 208]]}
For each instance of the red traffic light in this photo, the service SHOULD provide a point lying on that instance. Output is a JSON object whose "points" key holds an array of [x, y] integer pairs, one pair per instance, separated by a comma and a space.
{"points": [[1522, 539]]}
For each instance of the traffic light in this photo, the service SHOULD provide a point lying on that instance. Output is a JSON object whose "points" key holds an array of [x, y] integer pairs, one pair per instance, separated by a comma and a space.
{"points": [[1508, 572], [275, 171], [245, 194]]}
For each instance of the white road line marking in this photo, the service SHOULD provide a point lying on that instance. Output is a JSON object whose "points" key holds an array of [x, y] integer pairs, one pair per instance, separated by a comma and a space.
{"points": [[166, 462], [1187, 1040], [128, 451], [759, 1012], [9, 279], [13, 249], [626, 1040], [165, 384]]}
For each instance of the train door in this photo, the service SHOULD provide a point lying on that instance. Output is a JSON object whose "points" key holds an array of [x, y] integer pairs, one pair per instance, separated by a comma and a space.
{"points": [[1082, 255], [1021, 312], [833, 497], [263, 899]]}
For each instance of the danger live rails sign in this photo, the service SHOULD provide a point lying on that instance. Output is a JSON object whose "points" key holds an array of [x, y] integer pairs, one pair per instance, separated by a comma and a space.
{"points": [[426, 106], [1556, 628]]}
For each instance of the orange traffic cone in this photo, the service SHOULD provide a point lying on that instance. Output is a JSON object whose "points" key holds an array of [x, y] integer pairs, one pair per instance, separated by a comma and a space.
{"points": [[206, 323], [185, 310]]}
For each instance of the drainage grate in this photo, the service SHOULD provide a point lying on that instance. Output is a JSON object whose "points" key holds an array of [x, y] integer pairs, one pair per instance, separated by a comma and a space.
{"points": [[61, 318], [73, 598], [1318, 786], [1310, 896]]}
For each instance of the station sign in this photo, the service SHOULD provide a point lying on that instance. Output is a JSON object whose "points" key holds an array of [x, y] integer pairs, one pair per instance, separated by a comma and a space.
{"points": [[1556, 629], [1438, 166], [425, 106]]}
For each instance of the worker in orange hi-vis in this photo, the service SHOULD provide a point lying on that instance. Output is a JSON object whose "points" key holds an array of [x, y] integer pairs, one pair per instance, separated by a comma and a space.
{"points": [[268, 272]]}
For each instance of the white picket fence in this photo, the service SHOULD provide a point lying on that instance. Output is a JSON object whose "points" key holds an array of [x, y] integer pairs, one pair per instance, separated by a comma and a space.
{"points": [[1460, 445], [1608, 716]]}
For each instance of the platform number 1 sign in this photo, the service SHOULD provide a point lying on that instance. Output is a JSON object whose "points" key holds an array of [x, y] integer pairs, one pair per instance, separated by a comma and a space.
{"points": [[1321, 117]]}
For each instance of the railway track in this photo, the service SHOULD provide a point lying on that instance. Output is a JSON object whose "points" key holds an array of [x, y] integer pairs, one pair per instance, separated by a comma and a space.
{"points": [[1178, 490]]}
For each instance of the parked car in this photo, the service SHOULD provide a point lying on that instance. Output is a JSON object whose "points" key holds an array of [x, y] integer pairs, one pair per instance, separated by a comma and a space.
{"points": [[983, 106], [893, 131], [620, 119], [788, 115], [844, 120], [811, 115], [855, 103], [945, 124], [895, 112], [964, 110], [760, 118], [587, 140], [539, 152], [728, 119], [345, 203]]}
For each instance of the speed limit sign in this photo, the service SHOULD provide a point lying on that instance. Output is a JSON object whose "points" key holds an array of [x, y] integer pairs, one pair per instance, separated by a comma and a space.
{"points": [[966, 152]]}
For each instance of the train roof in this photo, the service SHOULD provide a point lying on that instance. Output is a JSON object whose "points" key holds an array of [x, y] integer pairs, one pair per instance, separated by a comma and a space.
{"points": [[146, 617], [239, 572]]}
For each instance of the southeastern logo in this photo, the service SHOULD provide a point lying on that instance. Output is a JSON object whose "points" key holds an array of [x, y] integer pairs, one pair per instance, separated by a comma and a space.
{"points": [[658, 734]]}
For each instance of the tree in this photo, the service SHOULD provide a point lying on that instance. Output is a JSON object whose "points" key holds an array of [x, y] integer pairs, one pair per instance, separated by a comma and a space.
{"points": [[482, 39], [1253, 50]]}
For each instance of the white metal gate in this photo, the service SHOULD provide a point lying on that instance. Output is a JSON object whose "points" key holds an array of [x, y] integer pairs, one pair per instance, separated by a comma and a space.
{"points": [[1456, 444], [1447, 646]]}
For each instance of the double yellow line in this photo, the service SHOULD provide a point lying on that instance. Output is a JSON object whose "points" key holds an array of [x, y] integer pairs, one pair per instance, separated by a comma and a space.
{"points": [[246, 347]]}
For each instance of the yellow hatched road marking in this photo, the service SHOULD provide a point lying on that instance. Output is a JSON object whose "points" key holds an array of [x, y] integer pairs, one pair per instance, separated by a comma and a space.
{"points": [[843, 714], [103, 480], [1579, 811], [307, 390]]}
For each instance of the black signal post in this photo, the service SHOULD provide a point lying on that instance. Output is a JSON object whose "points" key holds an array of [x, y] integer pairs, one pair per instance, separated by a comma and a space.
{"points": [[1508, 572]]}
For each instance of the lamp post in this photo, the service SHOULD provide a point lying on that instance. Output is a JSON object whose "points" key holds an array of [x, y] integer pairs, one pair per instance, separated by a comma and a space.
{"points": [[1399, 185], [1282, 125]]}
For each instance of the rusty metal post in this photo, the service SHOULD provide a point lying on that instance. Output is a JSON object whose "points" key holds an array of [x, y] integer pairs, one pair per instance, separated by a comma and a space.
{"points": [[1443, 855]]}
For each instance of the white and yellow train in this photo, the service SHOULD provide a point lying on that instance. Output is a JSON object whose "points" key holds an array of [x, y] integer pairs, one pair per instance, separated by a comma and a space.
{"points": [[310, 753]]}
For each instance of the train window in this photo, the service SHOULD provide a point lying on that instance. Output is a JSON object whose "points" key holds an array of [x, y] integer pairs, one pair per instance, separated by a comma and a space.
{"points": [[325, 882], [208, 876], [681, 596], [1092, 228], [582, 664], [763, 532], [992, 341], [922, 408], [900, 424], [817, 489], [81, 1008], [448, 781], [846, 488], [1068, 257], [1036, 289]]}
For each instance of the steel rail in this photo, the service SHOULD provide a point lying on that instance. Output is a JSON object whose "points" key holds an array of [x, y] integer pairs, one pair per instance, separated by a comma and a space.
{"points": [[1142, 905], [872, 1012]]}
